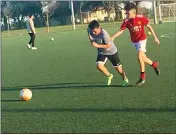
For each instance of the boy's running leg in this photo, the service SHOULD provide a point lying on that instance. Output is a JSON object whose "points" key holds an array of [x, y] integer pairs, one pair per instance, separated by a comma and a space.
{"points": [[30, 41], [141, 54], [154, 64], [117, 65], [142, 58], [103, 69], [122, 73], [101, 61], [33, 41]]}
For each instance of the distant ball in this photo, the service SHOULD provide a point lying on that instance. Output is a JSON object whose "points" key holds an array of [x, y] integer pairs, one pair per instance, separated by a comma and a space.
{"points": [[20, 34], [160, 22], [26, 94], [52, 39], [149, 33]]}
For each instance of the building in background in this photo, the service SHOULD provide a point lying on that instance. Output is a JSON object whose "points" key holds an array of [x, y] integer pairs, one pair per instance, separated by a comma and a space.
{"points": [[100, 14]]}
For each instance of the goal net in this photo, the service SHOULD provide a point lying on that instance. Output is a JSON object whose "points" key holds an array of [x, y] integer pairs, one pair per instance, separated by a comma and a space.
{"points": [[167, 12]]}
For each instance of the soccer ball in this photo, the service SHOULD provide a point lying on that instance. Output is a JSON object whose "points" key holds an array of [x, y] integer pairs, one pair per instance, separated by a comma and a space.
{"points": [[149, 33], [52, 39], [160, 22], [25, 94]]}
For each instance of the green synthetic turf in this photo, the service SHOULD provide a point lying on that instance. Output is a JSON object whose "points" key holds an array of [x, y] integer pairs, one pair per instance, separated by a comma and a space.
{"points": [[69, 95]]}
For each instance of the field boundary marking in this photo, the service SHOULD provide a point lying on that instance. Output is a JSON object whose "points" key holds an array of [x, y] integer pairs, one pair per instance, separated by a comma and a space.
{"points": [[42, 34], [168, 35]]}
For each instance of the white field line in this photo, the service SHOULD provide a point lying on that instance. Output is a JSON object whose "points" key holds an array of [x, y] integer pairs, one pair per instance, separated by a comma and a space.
{"points": [[41, 34], [168, 35]]}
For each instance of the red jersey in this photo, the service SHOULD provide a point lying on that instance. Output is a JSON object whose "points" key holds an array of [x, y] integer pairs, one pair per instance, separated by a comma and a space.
{"points": [[136, 27]]}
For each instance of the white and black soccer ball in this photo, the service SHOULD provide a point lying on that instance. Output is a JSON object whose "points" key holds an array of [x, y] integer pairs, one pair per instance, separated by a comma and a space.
{"points": [[52, 39], [26, 94]]}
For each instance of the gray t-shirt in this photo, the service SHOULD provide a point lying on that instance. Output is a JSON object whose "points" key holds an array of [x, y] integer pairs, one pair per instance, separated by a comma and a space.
{"points": [[103, 38], [29, 29]]}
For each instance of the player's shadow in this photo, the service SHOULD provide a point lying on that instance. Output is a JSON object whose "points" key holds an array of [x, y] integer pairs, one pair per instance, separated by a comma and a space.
{"points": [[10, 100], [62, 86], [129, 110]]}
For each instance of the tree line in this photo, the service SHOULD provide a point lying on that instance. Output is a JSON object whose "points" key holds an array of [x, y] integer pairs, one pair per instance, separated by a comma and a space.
{"points": [[46, 11]]}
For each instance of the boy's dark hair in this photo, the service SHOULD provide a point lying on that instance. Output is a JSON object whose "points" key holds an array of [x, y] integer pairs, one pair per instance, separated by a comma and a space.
{"points": [[94, 24], [30, 15], [130, 6]]}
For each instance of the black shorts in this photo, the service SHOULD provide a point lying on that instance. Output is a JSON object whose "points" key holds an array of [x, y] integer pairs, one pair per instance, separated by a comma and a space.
{"points": [[114, 59]]}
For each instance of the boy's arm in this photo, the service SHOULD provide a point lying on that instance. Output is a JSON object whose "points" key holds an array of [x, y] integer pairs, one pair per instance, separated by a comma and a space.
{"points": [[90, 38], [93, 43], [146, 23], [118, 33], [106, 41], [153, 33], [104, 46]]}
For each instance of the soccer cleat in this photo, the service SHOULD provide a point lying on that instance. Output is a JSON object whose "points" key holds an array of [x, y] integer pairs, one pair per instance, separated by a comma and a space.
{"points": [[157, 71], [140, 82], [34, 48], [28, 46], [125, 82], [155, 67], [109, 79]]}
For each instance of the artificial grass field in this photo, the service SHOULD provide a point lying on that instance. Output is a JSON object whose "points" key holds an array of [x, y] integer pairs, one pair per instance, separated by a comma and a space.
{"points": [[69, 95]]}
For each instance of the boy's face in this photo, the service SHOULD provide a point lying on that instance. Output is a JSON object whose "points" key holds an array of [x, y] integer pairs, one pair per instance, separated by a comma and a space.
{"points": [[32, 17], [96, 31], [130, 13]]}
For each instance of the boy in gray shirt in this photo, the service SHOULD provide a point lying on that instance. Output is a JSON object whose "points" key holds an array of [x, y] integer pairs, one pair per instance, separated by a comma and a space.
{"points": [[31, 31], [100, 39]]}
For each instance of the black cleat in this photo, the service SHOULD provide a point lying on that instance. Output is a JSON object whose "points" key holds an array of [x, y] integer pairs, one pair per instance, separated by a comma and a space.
{"points": [[157, 71], [140, 82]]}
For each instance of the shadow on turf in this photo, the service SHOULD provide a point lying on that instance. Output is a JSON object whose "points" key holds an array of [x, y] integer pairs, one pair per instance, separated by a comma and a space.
{"points": [[143, 110], [61, 86], [11, 100]]}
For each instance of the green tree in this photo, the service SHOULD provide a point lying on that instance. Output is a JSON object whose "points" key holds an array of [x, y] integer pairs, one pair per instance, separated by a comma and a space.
{"points": [[108, 6], [137, 5], [113, 5], [7, 8], [63, 12], [48, 8], [81, 6], [18, 12]]}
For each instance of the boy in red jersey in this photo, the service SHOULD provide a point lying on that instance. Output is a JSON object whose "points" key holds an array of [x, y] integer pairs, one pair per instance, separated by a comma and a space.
{"points": [[135, 23]]}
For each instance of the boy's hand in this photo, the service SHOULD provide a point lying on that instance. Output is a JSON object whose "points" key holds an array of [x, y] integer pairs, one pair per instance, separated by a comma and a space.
{"points": [[112, 38], [94, 44], [118, 33], [153, 33], [157, 40]]}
